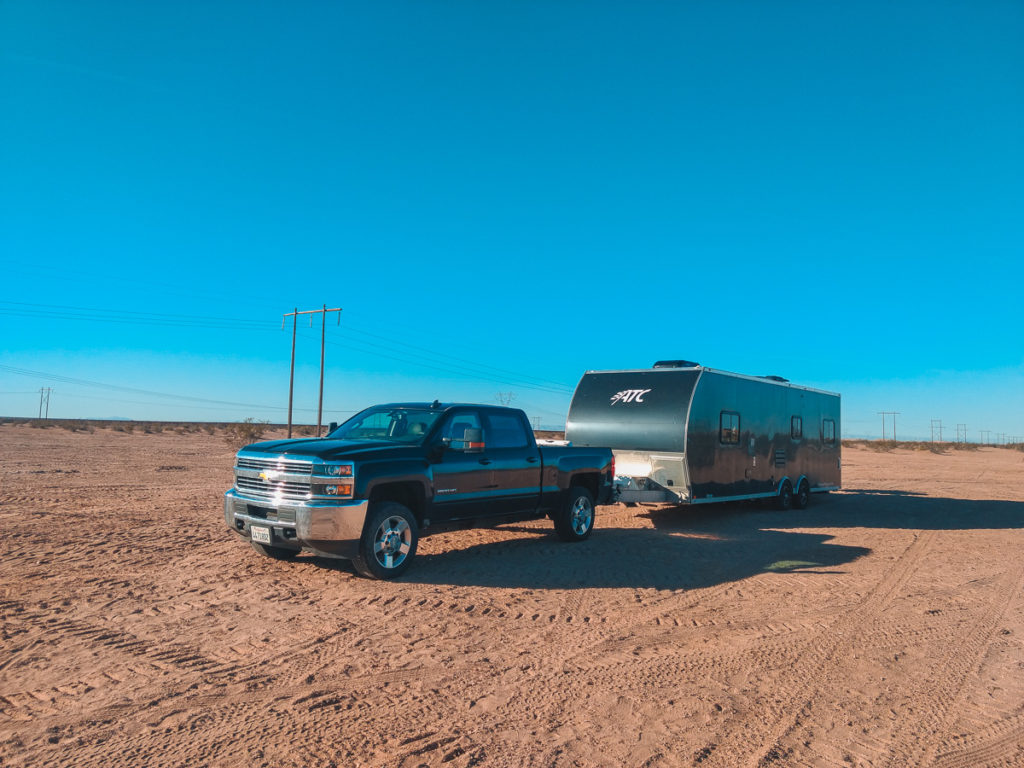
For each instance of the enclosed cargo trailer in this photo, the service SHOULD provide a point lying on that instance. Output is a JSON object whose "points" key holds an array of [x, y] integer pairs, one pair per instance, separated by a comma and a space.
{"points": [[684, 433]]}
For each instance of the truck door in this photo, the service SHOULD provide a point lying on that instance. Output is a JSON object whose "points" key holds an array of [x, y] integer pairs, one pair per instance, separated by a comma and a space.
{"points": [[463, 482], [516, 462]]}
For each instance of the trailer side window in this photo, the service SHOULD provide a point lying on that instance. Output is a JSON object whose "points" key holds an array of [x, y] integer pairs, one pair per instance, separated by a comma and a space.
{"points": [[729, 428], [828, 432], [796, 429]]}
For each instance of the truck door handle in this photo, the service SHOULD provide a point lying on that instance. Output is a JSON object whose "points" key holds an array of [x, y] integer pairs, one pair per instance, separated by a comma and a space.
{"points": [[532, 460], [485, 461]]}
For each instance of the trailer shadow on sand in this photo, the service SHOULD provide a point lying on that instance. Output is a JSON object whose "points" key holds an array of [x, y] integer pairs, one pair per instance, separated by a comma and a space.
{"points": [[699, 547]]}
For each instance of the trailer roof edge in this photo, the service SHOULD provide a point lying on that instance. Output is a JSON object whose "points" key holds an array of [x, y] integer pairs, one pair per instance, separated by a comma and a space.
{"points": [[724, 373]]}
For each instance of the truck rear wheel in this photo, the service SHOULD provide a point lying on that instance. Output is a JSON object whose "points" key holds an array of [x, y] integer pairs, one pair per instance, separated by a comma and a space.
{"points": [[575, 520], [389, 541], [278, 553]]}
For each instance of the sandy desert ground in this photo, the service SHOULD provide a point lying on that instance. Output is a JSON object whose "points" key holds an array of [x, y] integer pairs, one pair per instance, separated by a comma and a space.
{"points": [[884, 626]]}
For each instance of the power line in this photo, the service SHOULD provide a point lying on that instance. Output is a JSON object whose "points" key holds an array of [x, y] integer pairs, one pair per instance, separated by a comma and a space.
{"points": [[420, 355], [118, 388]]}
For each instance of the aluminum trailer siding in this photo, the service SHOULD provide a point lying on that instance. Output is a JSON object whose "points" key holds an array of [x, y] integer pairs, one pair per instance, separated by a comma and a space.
{"points": [[698, 435]]}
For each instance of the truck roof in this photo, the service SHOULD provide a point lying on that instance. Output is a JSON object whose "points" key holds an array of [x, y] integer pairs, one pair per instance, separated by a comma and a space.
{"points": [[439, 406]]}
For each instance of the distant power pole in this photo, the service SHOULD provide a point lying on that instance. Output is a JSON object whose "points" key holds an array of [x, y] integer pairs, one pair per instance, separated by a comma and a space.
{"points": [[961, 433], [937, 425], [984, 435], [894, 414], [44, 401], [323, 340]]}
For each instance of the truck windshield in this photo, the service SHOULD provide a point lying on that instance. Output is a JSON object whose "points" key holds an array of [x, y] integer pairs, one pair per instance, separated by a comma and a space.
{"points": [[398, 425]]}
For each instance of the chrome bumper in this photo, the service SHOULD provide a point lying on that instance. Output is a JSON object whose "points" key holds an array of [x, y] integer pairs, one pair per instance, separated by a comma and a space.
{"points": [[331, 529]]}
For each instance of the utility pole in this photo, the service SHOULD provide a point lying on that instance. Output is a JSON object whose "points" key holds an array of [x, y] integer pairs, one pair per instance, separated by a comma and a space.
{"points": [[323, 340], [937, 425], [44, 401], [505, 398], [984, 435], [894, 414], [961, 433]]}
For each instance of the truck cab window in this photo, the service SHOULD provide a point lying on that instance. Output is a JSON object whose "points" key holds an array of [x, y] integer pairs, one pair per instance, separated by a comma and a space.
{"points": [[455, 429], [506, 431]]}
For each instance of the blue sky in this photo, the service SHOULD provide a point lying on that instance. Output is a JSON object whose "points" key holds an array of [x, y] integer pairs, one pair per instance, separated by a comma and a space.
{"points": [[503, 195]]}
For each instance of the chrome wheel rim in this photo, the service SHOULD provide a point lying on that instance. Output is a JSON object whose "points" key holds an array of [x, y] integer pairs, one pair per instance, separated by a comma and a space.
{"points": [[581, 516], [392, 542]]}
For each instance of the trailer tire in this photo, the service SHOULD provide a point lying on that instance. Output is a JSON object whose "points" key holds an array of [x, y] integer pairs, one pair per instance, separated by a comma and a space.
{"points": [[278, 553], [784, 501], [388, 543], [574, 521], [803, 495]]}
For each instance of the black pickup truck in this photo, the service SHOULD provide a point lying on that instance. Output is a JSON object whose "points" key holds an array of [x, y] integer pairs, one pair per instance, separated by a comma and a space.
{"points": [[367, 490]]}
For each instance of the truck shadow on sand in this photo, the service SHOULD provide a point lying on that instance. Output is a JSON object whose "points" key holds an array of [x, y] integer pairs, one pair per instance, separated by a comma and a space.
{"points": [[672, 555], [699, 547]]}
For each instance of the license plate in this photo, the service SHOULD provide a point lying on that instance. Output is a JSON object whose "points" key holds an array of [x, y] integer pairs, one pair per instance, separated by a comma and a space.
{"points": [[260, 534]]}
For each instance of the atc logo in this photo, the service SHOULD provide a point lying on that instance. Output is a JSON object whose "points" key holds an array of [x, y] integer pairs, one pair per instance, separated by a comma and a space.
{"points": [[629, 396]]}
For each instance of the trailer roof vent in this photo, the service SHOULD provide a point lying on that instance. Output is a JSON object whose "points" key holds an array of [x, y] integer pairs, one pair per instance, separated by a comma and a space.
{"points": [[676, 364], [776, 378]]}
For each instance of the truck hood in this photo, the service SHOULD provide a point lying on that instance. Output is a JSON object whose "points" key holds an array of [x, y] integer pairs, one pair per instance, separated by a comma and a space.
{"points": [[329, 450]]}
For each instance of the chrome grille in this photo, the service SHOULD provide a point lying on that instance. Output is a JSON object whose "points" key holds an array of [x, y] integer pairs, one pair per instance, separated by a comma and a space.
{"points": [[285, 478], [276, 488], [291, 466]]}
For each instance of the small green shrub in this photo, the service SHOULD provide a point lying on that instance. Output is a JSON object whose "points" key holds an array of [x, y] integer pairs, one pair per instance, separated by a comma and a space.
{"points": [[244, 432]]}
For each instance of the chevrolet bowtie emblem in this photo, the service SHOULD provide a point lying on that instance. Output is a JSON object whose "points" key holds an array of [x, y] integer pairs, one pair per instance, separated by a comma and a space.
{"points": [[268, 475]]}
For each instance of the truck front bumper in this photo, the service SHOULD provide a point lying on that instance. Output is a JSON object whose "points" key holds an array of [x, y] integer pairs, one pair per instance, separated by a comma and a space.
{"points": [[332, 529]]}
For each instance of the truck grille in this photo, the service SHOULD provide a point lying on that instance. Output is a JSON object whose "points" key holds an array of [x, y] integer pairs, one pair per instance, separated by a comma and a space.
{"points": [[291, 466], [288, 486], [279, 488]]}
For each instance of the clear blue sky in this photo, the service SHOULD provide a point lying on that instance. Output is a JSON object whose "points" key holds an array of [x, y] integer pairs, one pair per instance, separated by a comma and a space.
{"points": [[502, 195]]}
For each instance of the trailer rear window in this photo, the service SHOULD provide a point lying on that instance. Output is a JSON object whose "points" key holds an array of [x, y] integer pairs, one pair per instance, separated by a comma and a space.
{"points": [[729, 428], [796, 428], [828, 432]]}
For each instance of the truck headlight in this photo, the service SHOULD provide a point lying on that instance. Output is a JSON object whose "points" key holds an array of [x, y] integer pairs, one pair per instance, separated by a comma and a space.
{"points": [[338, 470], [340, 489]]}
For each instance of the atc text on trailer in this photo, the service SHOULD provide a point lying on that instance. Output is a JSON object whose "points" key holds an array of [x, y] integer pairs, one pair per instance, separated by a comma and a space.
{"points": [[683, 433]]}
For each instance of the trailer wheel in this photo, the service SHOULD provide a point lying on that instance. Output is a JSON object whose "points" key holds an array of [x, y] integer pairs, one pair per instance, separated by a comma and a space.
{"points": [[389, 540], [575, 520], [803, 495], [784, 501], [278, 553]]}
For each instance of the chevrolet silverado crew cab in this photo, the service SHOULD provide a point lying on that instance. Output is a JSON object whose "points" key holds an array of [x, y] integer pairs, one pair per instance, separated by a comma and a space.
{"points": [[367, 490]]}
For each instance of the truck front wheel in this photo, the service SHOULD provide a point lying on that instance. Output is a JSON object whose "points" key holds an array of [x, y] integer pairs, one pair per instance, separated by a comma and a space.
{"points": [[575, 520], [388, 543]]}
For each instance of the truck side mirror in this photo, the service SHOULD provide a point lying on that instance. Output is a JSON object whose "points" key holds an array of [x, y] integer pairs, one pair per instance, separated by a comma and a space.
{"points": [[331, 427], [474, 441]]}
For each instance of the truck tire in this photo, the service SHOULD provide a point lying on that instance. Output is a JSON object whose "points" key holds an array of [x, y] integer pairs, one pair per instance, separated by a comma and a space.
{"points": [[803, 495], [278, 553], [389, 541], [575, 519], [784, 501]]}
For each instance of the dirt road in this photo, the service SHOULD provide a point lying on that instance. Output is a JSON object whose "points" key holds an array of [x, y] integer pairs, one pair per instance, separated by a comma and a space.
{"points": [[884, 626]]}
